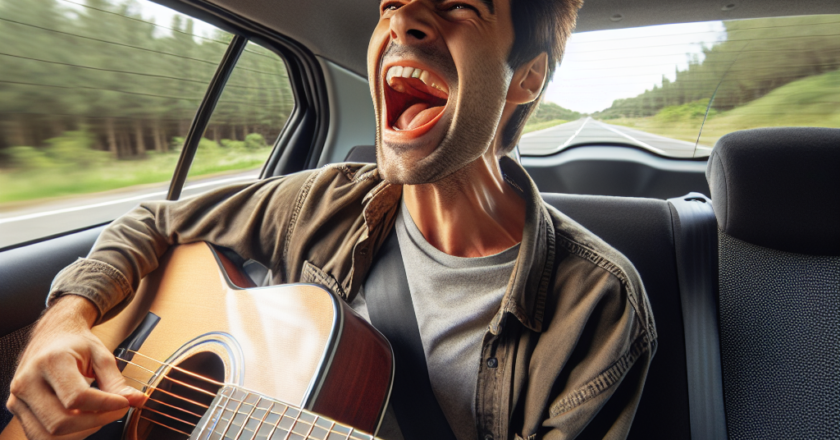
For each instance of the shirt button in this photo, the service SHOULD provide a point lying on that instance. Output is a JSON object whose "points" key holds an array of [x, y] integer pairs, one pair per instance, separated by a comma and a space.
{"points": [[492, 363]]}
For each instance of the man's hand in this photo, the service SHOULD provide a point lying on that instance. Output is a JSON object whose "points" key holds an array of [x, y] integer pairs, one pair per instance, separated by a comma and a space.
{"points": [[51, 394]]}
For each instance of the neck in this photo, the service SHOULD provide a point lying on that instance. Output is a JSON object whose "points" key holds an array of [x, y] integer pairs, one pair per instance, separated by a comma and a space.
{"points": [[471, 213]]}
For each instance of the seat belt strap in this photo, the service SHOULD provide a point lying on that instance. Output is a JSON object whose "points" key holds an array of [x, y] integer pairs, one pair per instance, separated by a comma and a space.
{"points": [[696, 242], [392, 313]]}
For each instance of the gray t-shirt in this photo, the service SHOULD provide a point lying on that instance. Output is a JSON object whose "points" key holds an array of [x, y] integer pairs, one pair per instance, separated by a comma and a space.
{"points": [[454, 299]]}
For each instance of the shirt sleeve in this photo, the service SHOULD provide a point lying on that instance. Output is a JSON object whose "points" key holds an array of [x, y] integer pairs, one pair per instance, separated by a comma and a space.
{"points": [[598, 394], [609, 411], [249, 219]]}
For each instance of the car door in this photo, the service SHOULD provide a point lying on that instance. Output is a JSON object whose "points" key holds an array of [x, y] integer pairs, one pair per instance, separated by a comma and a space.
{"points": [[106, 104]]}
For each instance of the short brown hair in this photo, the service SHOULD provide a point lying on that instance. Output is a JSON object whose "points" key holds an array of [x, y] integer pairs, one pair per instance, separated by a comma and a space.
{"points": [[538, 26]]}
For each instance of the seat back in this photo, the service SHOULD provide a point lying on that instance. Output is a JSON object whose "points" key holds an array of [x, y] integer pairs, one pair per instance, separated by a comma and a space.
{"points": [[776, 193]]}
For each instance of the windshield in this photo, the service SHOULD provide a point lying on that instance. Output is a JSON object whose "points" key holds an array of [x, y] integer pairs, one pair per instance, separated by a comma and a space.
{"points": [[676, 89]]}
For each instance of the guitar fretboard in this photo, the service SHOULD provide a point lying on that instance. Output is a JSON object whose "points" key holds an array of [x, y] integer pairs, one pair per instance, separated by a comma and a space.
{"points": [[238, 414]]}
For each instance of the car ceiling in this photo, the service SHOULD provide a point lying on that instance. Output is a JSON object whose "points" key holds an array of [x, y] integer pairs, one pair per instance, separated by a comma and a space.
{"points": [[339, 30]]}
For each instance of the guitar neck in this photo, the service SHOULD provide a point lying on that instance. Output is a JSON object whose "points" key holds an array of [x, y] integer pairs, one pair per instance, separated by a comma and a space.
{"points": [[240, 414]]}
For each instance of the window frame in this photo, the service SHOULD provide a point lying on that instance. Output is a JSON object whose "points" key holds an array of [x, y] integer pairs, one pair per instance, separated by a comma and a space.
{"points": [[304, 134]]}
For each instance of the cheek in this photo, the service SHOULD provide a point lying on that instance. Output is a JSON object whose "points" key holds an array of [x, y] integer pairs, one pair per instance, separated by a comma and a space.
{"points": [[377, 44]]}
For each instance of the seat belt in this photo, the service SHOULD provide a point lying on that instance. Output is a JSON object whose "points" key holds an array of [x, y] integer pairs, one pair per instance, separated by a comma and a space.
{"points": [[392, 313], [696, 240]]}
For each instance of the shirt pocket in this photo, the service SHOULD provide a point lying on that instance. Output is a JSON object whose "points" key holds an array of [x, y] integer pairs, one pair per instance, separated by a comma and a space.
{"points": [[314, 275]]}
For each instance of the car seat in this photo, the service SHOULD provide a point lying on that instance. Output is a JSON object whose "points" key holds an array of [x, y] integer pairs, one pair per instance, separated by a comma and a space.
{"points": [[776, 193]]}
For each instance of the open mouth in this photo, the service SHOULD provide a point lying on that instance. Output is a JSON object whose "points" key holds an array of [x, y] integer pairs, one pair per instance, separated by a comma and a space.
{"points": [[415, 98]]}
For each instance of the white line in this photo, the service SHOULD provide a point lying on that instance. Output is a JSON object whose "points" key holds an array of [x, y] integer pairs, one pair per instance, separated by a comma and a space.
{"points": [[116, 202], [659, 136], [642, 144], [568, 141]]}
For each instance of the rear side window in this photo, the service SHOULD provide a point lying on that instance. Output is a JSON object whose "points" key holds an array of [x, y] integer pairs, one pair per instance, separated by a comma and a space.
{"points": [[96, 98]]}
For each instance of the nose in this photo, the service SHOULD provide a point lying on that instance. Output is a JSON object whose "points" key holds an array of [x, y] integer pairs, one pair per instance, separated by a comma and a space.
{"points": [[413, 24]]}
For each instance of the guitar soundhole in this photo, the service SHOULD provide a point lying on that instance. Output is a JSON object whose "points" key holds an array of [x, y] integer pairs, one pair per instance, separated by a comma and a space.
{"points": [[176, 406]]}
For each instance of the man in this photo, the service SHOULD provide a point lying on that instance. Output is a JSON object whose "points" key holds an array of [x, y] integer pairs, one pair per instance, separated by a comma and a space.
{"points": [[557, 346]]}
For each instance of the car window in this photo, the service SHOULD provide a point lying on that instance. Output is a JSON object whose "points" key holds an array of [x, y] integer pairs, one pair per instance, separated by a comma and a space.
{"points": [[251, 112], [96, 98], [676, 89]]}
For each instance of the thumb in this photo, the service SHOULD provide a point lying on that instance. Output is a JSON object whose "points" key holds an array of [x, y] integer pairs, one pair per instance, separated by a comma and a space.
{"points": [[110, 379]]}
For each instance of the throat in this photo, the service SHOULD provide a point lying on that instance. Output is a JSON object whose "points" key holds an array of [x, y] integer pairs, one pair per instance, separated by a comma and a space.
{"points": [[467, 214]]}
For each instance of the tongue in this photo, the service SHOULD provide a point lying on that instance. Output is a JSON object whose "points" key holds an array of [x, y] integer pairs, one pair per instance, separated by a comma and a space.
{"points": [[417, 115]]}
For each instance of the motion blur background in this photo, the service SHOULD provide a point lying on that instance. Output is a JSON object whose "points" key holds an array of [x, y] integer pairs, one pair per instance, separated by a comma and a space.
{"points": [[96, 97]]}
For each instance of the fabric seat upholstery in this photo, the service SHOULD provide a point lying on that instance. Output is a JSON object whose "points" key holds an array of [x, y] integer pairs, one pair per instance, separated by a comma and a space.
{"points": [[776, 193]]}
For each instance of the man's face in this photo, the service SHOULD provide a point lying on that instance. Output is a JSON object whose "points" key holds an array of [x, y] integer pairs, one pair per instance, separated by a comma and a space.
{"points": [[439, 76]]}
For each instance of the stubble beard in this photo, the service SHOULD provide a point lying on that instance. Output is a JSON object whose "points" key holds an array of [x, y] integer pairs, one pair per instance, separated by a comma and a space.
{"points": [[472, 122]]}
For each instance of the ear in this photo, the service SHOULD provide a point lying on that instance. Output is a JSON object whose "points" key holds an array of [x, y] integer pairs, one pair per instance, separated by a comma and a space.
{"points": [[528, 80]]}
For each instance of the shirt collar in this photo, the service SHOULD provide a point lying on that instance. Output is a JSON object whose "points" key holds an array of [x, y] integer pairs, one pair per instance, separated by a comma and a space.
{"points": [[528, 286]]}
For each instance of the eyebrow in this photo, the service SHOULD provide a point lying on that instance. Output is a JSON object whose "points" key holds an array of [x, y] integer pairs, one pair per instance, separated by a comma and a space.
{"points": [[488, 3]]}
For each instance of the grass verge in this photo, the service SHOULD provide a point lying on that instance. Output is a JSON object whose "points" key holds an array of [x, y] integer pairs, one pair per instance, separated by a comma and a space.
{"points": [[61, 181], [808, 102]]}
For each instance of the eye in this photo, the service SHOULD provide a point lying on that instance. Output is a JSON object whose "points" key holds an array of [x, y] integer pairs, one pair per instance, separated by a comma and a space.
{"points": [[390, 7], [461, 9]]}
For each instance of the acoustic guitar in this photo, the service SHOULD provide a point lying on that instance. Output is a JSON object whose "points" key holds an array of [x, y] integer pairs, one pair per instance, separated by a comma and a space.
{"points": [[221, 359]]}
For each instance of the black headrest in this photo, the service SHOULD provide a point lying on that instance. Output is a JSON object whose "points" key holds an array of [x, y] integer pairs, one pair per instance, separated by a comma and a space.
{"points": [[362, 154], [779, 188]]}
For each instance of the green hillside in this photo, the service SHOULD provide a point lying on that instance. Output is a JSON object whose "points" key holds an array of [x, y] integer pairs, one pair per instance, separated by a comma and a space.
{"points": [[812, 101], [549, 114]]}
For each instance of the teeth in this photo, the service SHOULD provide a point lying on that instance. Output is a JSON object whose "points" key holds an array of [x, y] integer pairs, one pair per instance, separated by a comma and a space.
{"points": [[411, 72], [394, 71]]}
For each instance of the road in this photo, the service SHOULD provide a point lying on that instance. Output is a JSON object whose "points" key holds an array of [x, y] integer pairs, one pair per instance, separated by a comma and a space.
{"points": [[44, 219], [590, 131]]}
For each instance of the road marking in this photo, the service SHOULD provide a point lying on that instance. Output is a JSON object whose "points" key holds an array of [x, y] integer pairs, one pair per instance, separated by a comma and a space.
{"points": [[568, 141], [642, 144], [659, 136], [116, 202]]}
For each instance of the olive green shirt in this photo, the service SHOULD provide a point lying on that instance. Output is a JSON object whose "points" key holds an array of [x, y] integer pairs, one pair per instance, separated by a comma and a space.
{"points": [[565, 356]]}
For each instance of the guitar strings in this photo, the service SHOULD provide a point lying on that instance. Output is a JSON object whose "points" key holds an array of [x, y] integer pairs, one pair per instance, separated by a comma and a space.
{"points": [[177, 368], [248, 416], [184, 384]]}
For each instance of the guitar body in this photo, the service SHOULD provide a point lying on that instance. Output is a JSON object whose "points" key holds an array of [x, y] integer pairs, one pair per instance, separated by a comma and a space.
{"points": [[297, 343]]}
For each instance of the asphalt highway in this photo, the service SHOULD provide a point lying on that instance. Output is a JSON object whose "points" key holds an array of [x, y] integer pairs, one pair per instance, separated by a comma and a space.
{"points": [[590, 131], [33, 221]]}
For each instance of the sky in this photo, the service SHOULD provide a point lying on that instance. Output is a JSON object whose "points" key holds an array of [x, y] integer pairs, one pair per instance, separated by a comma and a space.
{"points": [[602, 66]]}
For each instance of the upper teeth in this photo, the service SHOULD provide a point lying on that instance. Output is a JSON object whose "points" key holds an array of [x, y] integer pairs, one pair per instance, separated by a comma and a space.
{"points": [[411, 72]]}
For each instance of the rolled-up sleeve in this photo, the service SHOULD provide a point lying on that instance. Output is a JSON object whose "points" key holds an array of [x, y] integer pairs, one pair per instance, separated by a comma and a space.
{"points": [[250, 219]]}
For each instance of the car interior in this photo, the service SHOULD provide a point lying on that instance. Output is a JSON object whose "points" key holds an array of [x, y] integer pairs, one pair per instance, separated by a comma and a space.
{"points": [[738, 249]]}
